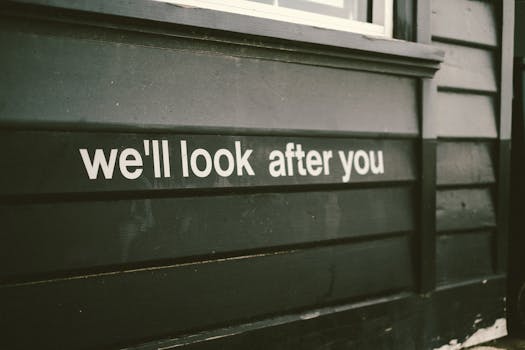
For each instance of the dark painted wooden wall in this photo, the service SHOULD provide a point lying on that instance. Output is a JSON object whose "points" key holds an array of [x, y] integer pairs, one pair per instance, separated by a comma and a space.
{"points": [[473, 133], [265, 265], [120, 263], [466, 111]]}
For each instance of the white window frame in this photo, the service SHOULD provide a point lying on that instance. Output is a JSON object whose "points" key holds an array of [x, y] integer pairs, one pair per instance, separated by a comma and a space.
{"points": [[381, 26]]}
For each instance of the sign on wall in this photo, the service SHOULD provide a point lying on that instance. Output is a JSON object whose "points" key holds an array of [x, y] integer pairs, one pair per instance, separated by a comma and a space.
{"points": [[51, 162]]}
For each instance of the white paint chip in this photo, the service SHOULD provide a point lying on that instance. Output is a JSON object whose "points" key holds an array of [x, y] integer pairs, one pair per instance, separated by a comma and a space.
{"points": [[482, 335]]}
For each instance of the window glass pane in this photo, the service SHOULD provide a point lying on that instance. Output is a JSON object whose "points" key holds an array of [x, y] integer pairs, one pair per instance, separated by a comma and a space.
{"points": [[369, 17], [349, 9]]}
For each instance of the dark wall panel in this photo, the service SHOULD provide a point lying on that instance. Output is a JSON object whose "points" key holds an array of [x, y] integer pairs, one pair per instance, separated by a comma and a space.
{"points": [[465, 20], [85, 79], [465, 163], [44, 238], [465, 115], [519, 42], [463, 256], [165, 301], [462, 209]]}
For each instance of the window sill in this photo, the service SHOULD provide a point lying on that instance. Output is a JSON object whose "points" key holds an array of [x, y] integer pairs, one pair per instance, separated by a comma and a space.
{"points": [[352, 51]]}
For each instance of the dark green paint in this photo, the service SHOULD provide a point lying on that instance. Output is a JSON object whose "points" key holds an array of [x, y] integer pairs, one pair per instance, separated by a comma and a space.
{"points": [[68, 236], [464, 256], [51, 162], [465, 163], [92, 80], [464, 209], [130, 306]]}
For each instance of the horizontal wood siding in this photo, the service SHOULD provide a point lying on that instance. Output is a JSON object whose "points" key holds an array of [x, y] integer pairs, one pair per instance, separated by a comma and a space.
{"points": [[117, 308], [68, 235], [111, 260], [465, 163], [467, 124], [464, 115], [464, 209], [464, 256], [465, 20], [95, 78]]}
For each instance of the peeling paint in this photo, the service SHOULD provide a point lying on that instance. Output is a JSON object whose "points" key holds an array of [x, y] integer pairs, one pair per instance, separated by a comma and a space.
{"points": [[497, 330], [482, 335]]}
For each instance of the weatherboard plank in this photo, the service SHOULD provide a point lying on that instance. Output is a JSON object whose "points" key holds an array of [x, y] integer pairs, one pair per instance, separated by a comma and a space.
{"points": [[461, 209], [46, 238], [54, 162], [465, 163], [463, 256], [126, 81], [120, 308]]}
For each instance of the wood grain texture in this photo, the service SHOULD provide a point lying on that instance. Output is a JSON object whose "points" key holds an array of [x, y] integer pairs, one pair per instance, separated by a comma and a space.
{"points": [[116, 308], [131, 84], [465, 163], [465, 20], [464, 256], [45, 238], [467, 68], [462, 209], [463, 115]]}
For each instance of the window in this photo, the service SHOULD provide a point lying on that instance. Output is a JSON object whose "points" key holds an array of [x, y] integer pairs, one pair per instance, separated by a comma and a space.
{"points": [[372, 17]]}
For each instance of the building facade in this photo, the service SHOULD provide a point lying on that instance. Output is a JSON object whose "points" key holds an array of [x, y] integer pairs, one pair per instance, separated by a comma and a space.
{"points": [[206, 177]]}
